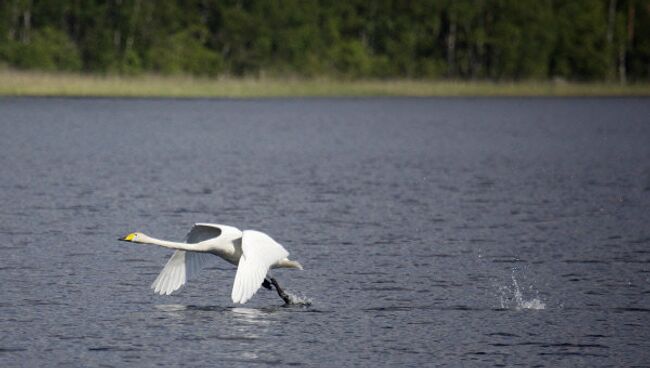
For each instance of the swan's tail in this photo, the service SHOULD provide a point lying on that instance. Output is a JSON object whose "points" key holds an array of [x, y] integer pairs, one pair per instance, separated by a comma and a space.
{"points": [[287, 263]]}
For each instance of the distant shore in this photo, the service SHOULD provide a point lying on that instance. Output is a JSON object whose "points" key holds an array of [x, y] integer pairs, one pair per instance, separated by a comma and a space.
{"points": [[19, 83]]}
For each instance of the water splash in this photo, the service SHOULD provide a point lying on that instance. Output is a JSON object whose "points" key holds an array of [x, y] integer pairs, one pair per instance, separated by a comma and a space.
{"points": [[298, 299], [511, 297]]}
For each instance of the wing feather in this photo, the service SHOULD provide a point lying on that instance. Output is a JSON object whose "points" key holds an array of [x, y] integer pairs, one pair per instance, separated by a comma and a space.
{"points": [[259, 253], [204, 231], [180, 268]]}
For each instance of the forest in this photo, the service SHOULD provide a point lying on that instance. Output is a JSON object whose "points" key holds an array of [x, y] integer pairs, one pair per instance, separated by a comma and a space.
{"points": [[497, 40]]}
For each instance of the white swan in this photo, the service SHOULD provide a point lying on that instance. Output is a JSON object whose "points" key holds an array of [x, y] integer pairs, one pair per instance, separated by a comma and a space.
{"points": [[253, 252]]}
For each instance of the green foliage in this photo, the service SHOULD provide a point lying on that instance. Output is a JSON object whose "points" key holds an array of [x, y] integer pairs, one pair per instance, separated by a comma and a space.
{"points": [[351, 59], [580, 45], [639, 54], [184, 52], [47, 49], [460, 39], [520, 42]]}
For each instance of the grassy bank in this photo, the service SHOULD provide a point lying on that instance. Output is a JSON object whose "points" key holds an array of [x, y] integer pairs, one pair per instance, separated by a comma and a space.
{"points": [[13, 83]]}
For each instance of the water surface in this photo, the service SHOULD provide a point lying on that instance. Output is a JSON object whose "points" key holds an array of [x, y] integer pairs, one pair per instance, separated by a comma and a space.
{"points": [[433, 231]]}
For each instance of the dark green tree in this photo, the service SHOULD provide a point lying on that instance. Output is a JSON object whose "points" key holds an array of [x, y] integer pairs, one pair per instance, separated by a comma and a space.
{"points": [[458, 39]]}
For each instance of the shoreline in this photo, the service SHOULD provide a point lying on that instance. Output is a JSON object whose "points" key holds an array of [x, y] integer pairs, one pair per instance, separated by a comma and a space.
{"points": [[46, 84]]}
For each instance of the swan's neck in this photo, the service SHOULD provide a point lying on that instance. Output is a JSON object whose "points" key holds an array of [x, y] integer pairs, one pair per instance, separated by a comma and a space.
{"points": [[168, 244]]}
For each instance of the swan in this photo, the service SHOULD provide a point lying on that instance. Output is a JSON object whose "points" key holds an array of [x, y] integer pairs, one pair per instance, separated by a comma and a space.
{"points": [[253, 252]]}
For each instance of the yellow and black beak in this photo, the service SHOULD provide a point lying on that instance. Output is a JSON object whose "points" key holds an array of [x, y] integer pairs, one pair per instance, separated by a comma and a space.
{"points": [[127, 238]]}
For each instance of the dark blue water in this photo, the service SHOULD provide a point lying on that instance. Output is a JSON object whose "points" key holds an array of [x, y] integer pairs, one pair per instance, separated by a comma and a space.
{"points": [[459, 232]]}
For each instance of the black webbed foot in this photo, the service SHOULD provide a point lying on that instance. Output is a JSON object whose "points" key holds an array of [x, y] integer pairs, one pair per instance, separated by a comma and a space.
{"points": [[267, 284]]}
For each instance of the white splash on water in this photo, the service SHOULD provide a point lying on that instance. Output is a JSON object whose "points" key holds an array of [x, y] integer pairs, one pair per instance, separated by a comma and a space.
{"points": [[511, 297], [298, 299]]}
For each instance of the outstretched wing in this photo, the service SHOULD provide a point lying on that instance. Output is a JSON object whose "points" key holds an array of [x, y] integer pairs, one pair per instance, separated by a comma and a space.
{"points": [[202, 232], [259, 252], [181, 267]]}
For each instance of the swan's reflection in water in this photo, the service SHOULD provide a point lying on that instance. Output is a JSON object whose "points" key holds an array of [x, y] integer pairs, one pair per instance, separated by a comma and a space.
{"points": [[249, 316], [173, 312], [256, 325], [170, 307], [244, 334]]}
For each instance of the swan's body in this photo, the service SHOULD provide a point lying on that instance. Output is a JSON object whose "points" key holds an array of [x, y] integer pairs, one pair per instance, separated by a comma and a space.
{"points": [[253, 252]]}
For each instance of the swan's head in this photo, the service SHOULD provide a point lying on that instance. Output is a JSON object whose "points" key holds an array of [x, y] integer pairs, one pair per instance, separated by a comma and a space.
{"points": [[136, 237]]}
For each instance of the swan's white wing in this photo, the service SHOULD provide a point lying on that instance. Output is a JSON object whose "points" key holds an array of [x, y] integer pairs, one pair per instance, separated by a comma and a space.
{"points": [[181, 267], [203, 231], [259, 252]]}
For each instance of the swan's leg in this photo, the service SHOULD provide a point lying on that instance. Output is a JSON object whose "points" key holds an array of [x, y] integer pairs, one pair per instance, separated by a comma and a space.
{"points": [[281, 292], [267, 284]]}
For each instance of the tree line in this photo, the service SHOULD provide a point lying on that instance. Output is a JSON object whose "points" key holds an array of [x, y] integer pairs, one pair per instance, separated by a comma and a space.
{"points": [[458, 39]]}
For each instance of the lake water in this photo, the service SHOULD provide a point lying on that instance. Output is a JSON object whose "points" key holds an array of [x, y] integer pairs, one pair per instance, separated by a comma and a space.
{"points": [[459, 232]]}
